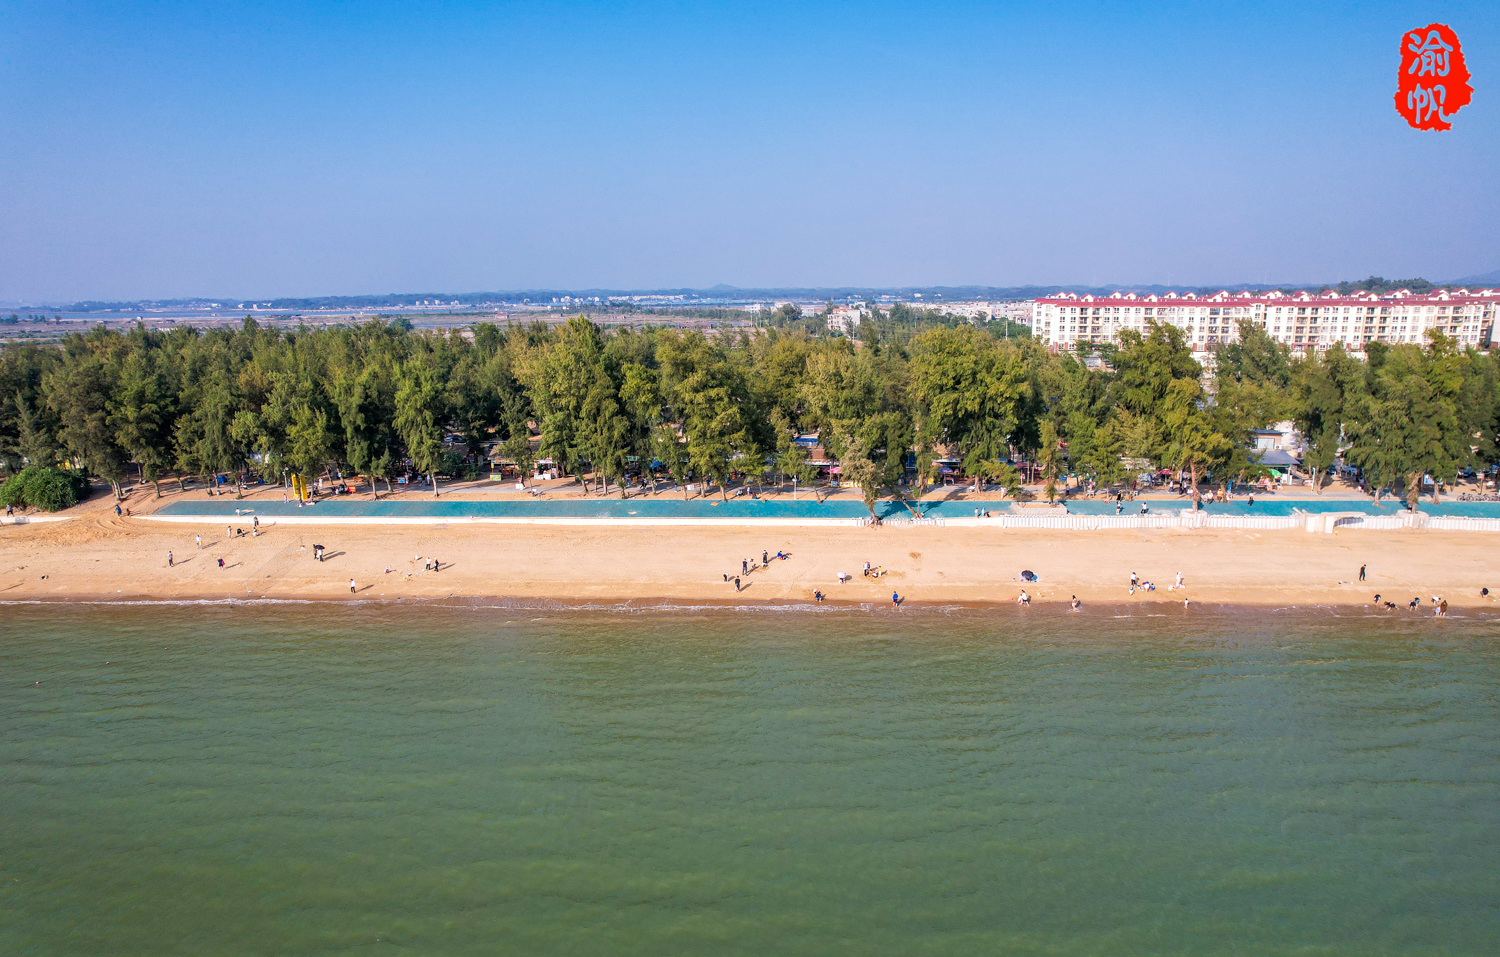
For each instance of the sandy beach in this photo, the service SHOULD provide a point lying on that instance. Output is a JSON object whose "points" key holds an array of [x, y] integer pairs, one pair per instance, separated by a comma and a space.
{"points": [[99, 556]]}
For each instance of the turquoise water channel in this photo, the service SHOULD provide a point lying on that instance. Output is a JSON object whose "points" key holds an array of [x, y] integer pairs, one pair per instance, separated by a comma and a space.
{"points": [[744, 507], [302, 779]]}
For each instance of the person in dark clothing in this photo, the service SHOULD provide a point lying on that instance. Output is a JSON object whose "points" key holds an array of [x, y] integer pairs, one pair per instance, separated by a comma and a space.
{"points": [[1361, 573]]}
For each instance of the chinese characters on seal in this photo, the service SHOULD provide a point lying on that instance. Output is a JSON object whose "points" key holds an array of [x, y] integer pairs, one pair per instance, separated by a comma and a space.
{"points": [[1433, 82]]}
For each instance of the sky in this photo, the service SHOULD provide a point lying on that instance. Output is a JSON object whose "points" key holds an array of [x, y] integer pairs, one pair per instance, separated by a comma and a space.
{"points": [[171, 149]]}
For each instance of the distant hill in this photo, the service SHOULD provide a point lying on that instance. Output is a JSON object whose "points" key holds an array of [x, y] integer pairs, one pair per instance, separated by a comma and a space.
{"points": [[722, 293], [1484, 279]]}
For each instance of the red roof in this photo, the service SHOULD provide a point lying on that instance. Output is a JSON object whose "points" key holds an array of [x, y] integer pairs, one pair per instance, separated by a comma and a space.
{"points": [[1223, 299]]}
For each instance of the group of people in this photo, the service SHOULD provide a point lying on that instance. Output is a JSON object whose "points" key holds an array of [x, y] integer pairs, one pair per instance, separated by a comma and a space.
{"points": [[896, 600], [749, 565], [1439, 604], [1120, 506]]}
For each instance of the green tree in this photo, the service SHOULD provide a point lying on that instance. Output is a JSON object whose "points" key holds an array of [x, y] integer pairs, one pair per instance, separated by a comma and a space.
{"points": [[1049, 459], [418, 418]]}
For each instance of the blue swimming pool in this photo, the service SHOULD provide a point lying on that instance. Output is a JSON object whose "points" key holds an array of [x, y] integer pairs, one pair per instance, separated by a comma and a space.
{"points": [[746, 508]]}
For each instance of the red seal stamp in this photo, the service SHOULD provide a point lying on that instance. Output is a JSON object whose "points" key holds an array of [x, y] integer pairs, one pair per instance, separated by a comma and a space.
{"points": [[1433, 83]]}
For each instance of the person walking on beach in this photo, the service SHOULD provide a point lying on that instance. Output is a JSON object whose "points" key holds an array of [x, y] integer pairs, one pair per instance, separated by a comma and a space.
{"points": [[352, 589], [169, 559], [1134, 580], [736, 584], [197, 541], [1361, 573], [1179, 583], [744, 569], [765, 559], [117, 510], [895, 601], [221, 562]]}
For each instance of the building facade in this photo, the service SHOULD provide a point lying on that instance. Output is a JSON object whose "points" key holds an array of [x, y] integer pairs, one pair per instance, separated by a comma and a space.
{"points": [[1303, 321]]}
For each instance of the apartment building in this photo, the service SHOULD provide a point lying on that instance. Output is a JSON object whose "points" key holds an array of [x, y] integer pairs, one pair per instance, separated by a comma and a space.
{"points": [[1303, 321], [846, 319]]}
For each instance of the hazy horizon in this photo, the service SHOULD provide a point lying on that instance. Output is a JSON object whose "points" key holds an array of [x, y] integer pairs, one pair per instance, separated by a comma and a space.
{"points": [[171, 150], [726, 291]]}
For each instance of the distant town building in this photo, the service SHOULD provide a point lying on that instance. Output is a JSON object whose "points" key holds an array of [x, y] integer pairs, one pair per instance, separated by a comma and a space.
{"points": [[846, 319], [1014, 311], [1303, 321]]}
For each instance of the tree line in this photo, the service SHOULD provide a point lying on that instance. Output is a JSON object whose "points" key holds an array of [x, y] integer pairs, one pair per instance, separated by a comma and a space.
{"points": [[381, 399]]}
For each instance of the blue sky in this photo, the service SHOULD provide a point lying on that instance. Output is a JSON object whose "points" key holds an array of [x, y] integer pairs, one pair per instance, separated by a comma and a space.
{"points": [[256, 149]]}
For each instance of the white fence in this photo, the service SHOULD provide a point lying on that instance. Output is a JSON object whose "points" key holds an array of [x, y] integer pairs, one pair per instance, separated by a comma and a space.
{"points": [[1451, 524], [1088, 523], [1187, 518]]}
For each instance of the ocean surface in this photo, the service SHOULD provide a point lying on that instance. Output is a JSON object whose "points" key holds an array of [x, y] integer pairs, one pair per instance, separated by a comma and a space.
{"points": [[298, 779]]}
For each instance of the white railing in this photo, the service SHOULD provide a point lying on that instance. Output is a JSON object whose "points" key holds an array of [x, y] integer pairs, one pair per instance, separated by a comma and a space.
{"points": [[1187, 518], [1182, 519], [1448, 523]]}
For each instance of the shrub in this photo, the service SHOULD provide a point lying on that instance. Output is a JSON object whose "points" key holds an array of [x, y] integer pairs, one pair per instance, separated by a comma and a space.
{"points": [[44, 487]]}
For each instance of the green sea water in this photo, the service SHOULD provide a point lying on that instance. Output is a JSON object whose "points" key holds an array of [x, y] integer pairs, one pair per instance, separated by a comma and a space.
{"points": [[317, 779]]}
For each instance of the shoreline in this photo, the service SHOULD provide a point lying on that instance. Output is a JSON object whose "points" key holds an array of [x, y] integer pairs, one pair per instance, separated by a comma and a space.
{"points": [[666, 607]]}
